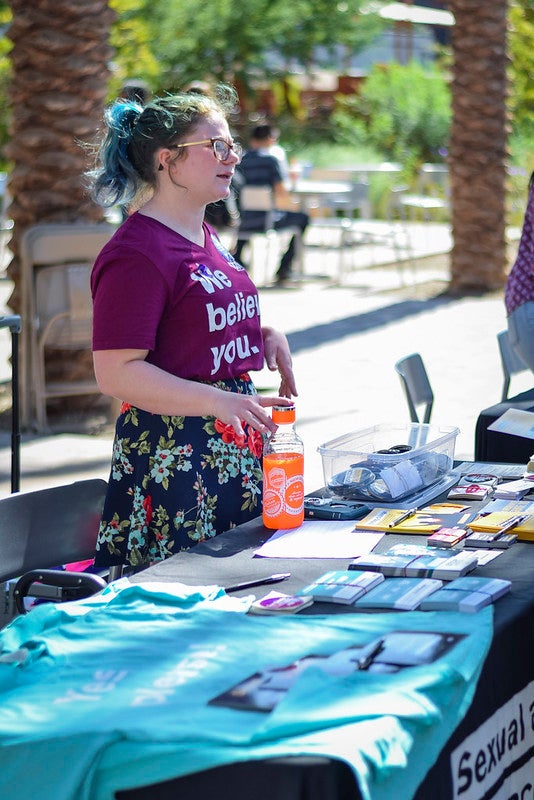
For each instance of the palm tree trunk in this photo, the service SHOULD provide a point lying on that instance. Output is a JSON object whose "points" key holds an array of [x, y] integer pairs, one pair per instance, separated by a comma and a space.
{"points": [[60, 69], [478, 146]]}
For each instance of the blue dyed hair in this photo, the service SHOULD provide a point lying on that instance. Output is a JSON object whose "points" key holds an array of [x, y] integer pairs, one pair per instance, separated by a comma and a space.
{"points": [[127, 154]]}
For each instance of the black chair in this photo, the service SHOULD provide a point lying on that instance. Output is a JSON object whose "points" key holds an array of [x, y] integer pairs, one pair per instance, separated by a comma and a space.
{"points": [[512, 363], [48, 528], [414, 378], [494, 445]]}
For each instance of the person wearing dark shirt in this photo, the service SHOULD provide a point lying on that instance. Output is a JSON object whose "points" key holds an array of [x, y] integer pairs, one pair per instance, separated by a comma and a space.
{"points": [[260, 168]]}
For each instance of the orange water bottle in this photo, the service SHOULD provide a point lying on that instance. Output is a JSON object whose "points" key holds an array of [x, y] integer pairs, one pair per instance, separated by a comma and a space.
{"points": [[283, 473]]}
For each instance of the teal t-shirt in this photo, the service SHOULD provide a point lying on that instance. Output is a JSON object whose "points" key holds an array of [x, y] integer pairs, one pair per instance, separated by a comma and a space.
{"points": [[113, 692]]}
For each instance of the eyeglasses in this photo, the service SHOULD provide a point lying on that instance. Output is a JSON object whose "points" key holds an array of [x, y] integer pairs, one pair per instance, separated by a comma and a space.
{"points": [[221, 148]]}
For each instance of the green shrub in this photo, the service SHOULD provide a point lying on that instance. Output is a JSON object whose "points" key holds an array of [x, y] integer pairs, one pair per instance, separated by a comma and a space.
{"points": [[405, 111]]}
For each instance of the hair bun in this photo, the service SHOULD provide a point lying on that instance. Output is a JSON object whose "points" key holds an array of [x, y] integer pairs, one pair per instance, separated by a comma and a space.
{"points": [[123, 117]]}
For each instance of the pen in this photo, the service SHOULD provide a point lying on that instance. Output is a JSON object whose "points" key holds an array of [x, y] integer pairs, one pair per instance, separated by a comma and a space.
{"points": [[368, 657], [513, 523], [407, 514], [280, 576]]}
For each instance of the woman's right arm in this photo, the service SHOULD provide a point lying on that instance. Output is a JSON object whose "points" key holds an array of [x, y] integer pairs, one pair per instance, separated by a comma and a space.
{"points": [[127, 375]]}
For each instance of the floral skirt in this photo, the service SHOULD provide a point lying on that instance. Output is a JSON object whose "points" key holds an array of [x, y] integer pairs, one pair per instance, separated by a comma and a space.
{"points": [[176, 481]]}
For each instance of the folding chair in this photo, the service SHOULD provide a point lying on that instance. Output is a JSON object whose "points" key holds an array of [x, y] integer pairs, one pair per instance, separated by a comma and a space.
{"points": [[416, 385], [261, 198], [493, 445], [48, 528], [56, 262], [512, 363]]}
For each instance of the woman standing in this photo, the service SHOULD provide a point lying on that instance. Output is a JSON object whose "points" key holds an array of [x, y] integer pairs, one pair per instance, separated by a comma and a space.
{"points": [[519, 292], [176, 331]]}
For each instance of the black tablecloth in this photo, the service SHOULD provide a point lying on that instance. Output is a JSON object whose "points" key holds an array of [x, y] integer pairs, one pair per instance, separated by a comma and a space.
{"points": [[228, 559], [501, 447], [276, 779]]}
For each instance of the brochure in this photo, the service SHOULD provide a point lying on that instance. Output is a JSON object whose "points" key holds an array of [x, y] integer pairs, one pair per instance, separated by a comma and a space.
{"points": [[395, 651], [497, 515], [515, 422], [425, 521]]}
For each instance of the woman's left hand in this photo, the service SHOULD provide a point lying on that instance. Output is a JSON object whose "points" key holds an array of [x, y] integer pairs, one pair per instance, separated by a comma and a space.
{"points": [[278, 357]]}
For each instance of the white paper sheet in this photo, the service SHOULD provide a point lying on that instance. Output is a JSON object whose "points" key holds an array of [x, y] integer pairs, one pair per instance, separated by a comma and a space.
{"points": [[320, 539]]}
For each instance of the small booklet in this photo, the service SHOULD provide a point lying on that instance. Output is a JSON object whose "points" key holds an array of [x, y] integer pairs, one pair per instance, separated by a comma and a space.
{"points": [[341, 586], [500, 541], [276, 603], [470, 491], [425, 520], [446, 566], [402, 594], [515, 490], [446, 538], [467, 594]]}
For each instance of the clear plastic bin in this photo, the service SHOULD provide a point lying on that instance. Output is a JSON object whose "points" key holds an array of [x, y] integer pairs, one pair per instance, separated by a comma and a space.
{"points": [[387, 462]]}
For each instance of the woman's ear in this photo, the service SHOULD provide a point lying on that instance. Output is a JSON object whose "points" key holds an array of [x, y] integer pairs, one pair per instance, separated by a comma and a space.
{"points": [[164, 157]]}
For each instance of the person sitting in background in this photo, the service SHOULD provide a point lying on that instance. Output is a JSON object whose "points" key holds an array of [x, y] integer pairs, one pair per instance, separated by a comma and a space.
{"points": [[519, 290], [260, 168], [135, 91], [275, 149]]}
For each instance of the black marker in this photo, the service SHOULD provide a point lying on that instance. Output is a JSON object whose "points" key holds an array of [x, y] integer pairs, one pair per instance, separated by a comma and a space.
{"points": [[281, 576]]}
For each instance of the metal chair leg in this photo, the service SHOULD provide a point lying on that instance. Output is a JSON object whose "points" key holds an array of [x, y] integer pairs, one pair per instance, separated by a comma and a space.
{"points": [[115, 573]]}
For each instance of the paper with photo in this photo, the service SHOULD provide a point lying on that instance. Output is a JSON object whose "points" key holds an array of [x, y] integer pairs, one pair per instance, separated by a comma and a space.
{"points": [[320, 539], [516, 422]]}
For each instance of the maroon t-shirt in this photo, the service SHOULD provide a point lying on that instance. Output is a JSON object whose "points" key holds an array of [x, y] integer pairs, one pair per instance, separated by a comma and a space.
{"points": [[193, 308]]}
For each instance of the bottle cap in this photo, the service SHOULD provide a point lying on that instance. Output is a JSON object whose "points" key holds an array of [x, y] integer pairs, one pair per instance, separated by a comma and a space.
{"points": [[283, 415]]}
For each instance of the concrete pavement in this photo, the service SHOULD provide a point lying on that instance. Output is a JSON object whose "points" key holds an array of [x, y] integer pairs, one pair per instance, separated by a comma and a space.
{"points": [[345, 341]]}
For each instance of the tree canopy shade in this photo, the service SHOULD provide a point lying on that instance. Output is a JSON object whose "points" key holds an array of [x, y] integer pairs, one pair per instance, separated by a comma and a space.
{"points": [[135, 51], [225, 41], [521, 46]]}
